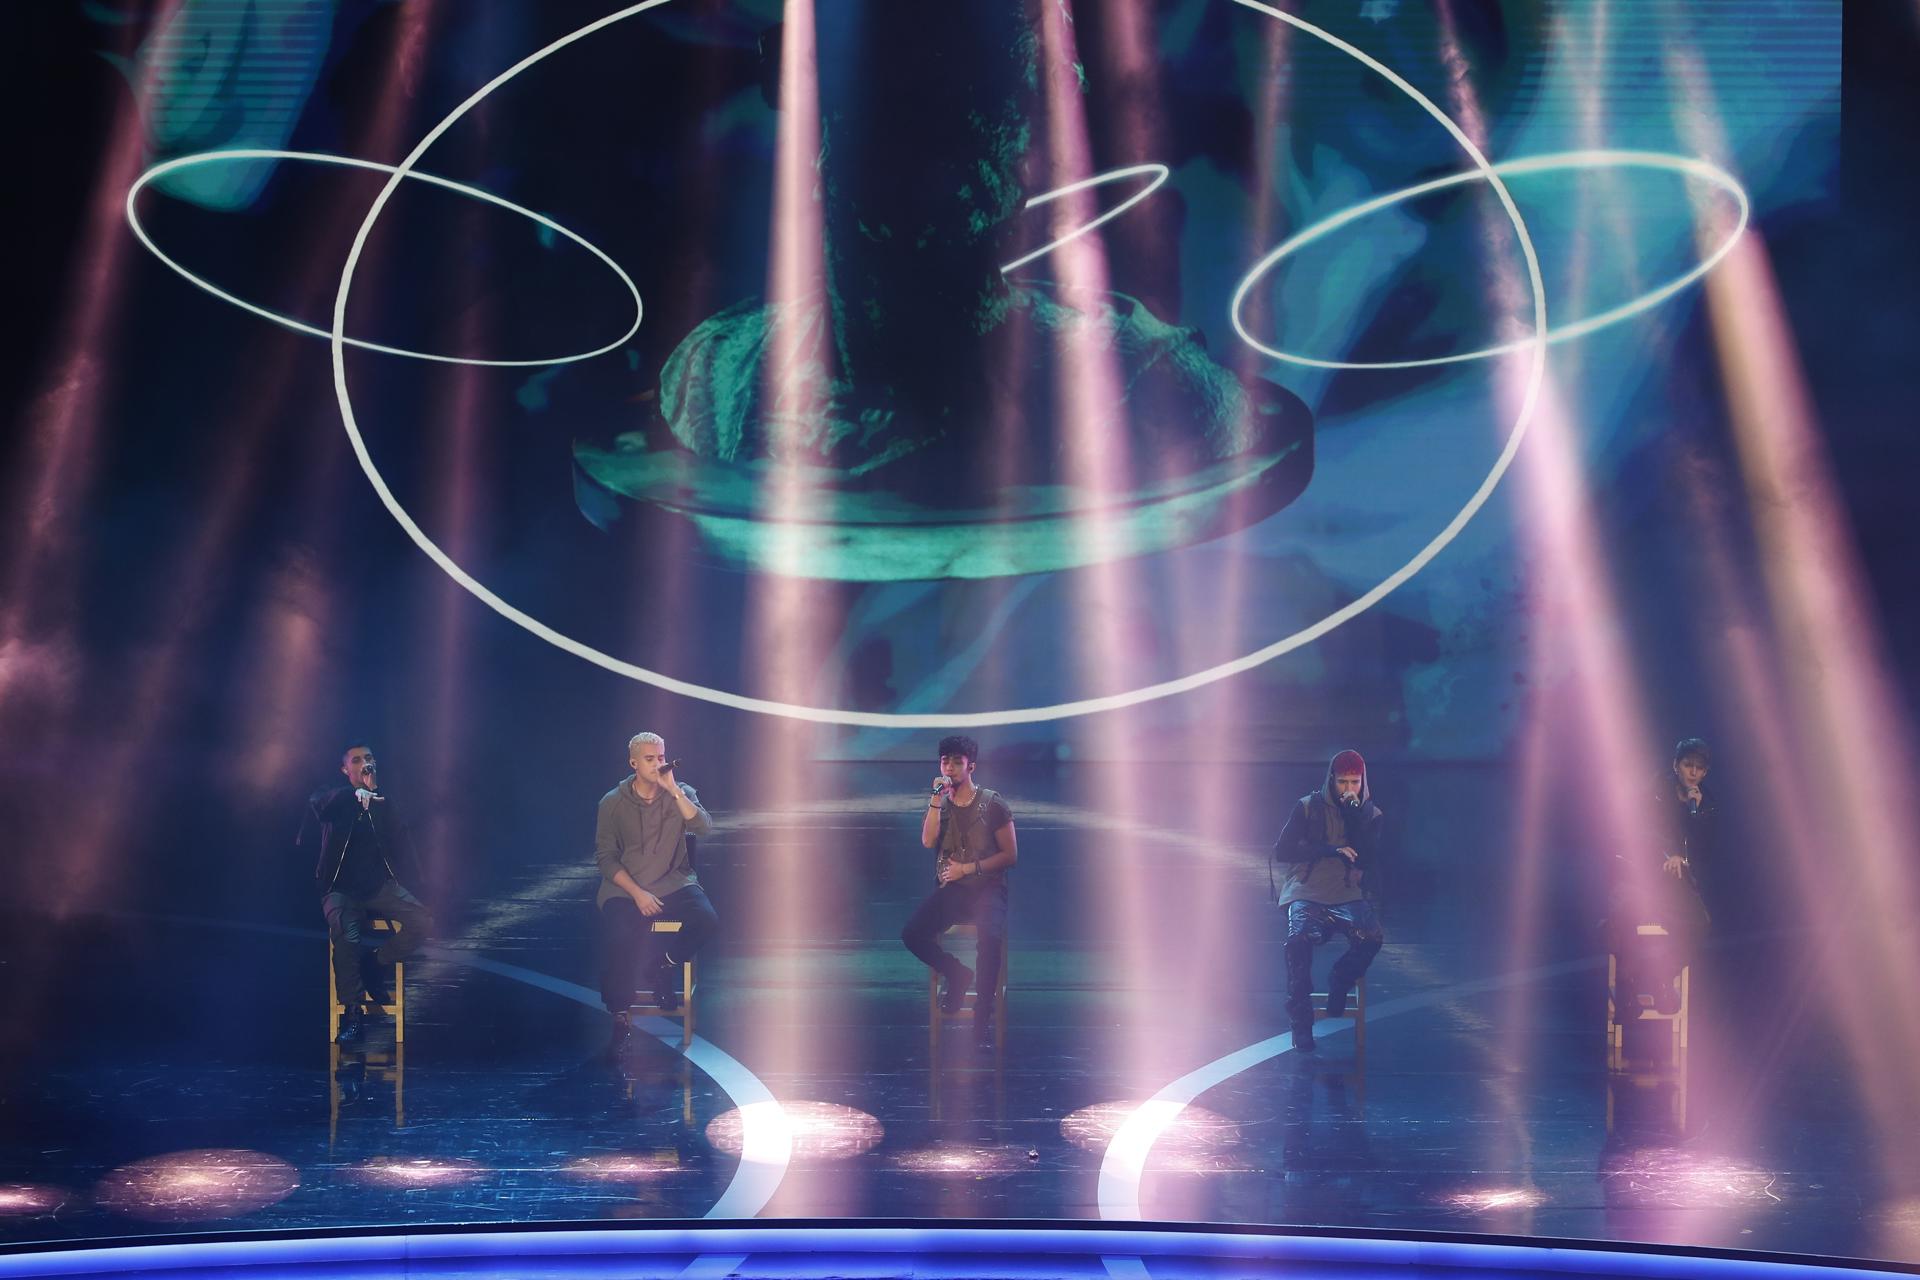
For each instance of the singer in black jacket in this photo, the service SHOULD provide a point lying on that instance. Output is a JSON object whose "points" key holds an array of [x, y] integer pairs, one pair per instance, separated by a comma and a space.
{"points": [[1684, 820], [362, 849], [1321, 855]]}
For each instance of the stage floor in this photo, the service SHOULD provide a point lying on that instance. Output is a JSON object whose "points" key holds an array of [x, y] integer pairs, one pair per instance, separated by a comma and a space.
{"points": [[179, 1080]]}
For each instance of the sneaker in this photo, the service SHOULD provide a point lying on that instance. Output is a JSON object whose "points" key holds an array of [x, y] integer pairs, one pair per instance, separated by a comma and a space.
{"points": [[352, 1030], [953, 988], [1337, 1003], [1303, 1038]]}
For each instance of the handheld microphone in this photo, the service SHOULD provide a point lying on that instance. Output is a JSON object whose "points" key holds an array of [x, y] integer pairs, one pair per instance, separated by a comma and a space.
{"points": [[941, 786], [670, 766]]}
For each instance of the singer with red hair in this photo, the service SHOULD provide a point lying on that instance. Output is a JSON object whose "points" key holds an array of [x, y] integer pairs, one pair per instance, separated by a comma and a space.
{"points": [[1321, 856]]}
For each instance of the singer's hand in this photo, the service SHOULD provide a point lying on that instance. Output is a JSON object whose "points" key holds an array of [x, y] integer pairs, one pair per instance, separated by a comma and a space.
{"points": [[951, 872], [667, 781], [1351, 855], [648, 904], [365, 797], [1675, 866], [941, 785], [1692, 796]]}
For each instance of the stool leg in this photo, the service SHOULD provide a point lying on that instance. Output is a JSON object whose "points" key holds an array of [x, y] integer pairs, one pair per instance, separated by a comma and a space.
{"points": [[686, 1003], [399, 1003], [333, 997]]}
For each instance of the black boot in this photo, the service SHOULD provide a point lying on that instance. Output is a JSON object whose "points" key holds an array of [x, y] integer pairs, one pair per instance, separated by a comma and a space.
{"points": [[352, 1028], [666, 985], [953, 987]]}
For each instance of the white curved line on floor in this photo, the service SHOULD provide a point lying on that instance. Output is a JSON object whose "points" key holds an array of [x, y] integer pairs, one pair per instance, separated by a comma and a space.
{"points": [[1125, 1160], [766, 1134]]}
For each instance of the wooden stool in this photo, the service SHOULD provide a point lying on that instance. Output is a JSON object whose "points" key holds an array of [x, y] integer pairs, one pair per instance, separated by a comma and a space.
{"points": [[971, 1001], [397, 1010], [653, 1008], [1356, 1009], [1678, 1030]]}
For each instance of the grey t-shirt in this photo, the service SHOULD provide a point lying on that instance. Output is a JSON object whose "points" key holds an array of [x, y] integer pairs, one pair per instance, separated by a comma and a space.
{"points": [[971, 832], [648, 838]]}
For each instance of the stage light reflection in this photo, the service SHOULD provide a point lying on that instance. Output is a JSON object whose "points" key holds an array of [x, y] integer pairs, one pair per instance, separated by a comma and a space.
{"points": [[952, 1159], [821, 1131], [1496, 1200], [24, 1200], [422, 1171], [1672, 1178], [191, 1186], [1195, 1139], [625, 1165]]}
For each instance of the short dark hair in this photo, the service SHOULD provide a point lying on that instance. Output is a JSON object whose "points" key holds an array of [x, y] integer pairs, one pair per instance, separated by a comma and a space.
{"points": [[959, 744], [1692, 747], [351, 744]]}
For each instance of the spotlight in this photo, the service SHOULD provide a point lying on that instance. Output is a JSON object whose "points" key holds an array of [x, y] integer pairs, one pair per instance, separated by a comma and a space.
{"points": [[23, 1200], [423, 1171], [821, 1131], [190, 1186]]}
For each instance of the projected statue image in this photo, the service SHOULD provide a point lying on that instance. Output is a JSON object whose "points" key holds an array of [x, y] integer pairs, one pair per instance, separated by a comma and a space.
{"points": [[935, 437]]}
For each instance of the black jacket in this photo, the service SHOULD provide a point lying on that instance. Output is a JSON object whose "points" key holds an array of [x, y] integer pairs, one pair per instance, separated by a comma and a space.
{"points": [[374, 844], [1680, 830]]}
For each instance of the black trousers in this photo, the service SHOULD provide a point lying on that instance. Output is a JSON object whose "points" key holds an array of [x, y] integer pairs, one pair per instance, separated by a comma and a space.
{"points": [[347, 925], [627, 940], [982, 905], [1311, 924]]}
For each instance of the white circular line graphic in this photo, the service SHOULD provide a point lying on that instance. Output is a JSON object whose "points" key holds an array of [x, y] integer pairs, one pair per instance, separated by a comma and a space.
{"points": [[1536, 373], [1160, 174], [1555, 162], [317, 157]]}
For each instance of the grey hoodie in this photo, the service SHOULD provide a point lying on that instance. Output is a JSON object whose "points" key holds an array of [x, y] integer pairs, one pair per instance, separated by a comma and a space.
{"points": [[649, 839]]}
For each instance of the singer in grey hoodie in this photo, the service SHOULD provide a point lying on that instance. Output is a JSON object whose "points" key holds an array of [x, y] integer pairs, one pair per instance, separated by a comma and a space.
{"points": [[1320, 857]]}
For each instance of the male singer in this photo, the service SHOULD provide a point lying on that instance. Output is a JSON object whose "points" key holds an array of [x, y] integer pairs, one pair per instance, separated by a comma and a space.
{"points": [[1322, 853], [1685, 818], [363, 848], [972, 830], [646, 874]]}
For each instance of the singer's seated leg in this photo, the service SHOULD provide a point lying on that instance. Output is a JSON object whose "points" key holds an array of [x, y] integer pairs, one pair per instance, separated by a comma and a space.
{"points": [[1364, 940], [623, 937], [1308, 925], [943, 908], [345, 925], [416, 923], [698, 923]]}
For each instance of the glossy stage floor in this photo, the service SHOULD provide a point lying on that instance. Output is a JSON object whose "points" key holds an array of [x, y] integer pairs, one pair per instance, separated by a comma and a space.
{"points": [[167, 1072]]}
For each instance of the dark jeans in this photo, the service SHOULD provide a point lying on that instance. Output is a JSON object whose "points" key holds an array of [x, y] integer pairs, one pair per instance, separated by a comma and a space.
{"points": [[1311, 924], [1648, 962], [982, 905], [347, 925], [627, 940]]}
